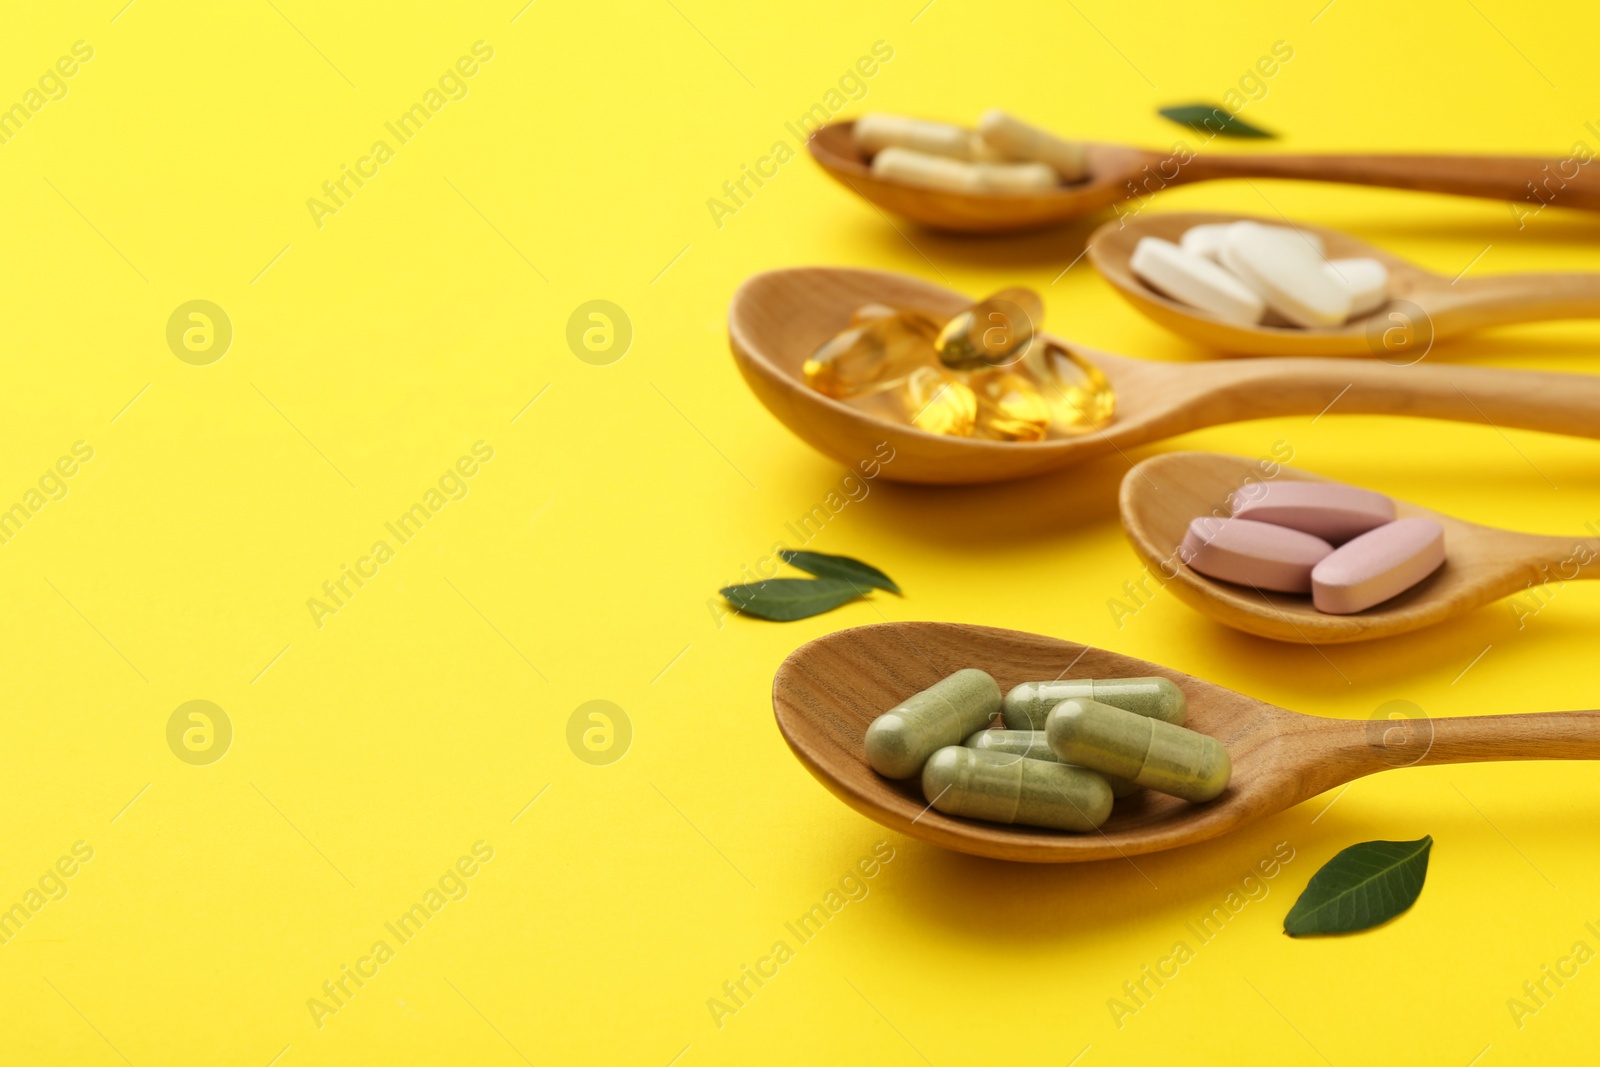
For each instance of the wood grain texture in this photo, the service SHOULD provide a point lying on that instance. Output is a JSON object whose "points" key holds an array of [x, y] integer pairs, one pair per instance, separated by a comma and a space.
{"points": [[1161, 495], [1118, 172], [1448, 307], [778, 318], [827, 691]]}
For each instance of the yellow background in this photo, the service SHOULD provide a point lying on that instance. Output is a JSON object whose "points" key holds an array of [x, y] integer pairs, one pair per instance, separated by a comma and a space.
{"points": [[370, 353]]}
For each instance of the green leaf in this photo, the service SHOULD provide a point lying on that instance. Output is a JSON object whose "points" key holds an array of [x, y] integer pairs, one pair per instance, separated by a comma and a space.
{"points": [[1362, 886], [788, 599], [1212, 121], [851, 570]]}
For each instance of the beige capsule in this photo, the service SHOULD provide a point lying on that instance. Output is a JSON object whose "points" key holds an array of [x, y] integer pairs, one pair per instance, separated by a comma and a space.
{"points": [[1149, 752], [959, 176], [1001, 787], [876, 131], [1033, 745], [900, 740], [1028, 704], [1014, 139]]}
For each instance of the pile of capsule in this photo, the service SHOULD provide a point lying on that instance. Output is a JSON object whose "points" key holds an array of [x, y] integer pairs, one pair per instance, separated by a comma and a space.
{"points": [[984, 373], [1003, 155], [1067, 750]]}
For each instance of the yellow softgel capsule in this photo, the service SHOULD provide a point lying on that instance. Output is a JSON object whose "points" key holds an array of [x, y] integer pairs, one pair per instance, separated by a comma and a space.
{"points": [[1009, 407], [900, 740], [1000, 787], [877, 353], [1080, 397], [1158, 755], [938, 401], [994, 332]]}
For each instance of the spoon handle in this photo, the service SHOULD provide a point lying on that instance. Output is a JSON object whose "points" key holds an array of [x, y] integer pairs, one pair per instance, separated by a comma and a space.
{"points": [[1232, 391], [1532, 184], [1475, 739], [1503, 299]]}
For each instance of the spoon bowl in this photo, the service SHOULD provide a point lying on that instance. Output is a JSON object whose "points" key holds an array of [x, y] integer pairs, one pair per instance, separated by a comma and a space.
{"points": [[1423, 307], [827, 692], [1120, 172], [1161, 495], [778, 318]]}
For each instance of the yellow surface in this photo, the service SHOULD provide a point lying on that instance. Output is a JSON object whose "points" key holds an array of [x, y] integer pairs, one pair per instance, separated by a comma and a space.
{"points": [[369, 754]]}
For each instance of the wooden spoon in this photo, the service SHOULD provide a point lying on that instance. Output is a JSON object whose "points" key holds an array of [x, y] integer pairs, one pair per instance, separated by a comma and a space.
{"points": [[1423, 306], [1120, 172], [828, 690], [779, 318], [1482, 563]]}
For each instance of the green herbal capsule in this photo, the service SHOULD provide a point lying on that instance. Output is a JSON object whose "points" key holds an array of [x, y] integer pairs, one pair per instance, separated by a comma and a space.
{"points": [[1151, 752], [900, 740], [1028, 705], [1001, 787], [1032, 744]]}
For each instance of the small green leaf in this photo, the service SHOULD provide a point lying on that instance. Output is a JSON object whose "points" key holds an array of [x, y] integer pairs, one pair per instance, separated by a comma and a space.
{"points": [[788, 599], [1362, 886], [1212, 121], [851, 570]]}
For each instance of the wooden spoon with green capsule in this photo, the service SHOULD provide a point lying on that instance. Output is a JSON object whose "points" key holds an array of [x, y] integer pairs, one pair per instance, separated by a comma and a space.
{"points": [[829, 690]]}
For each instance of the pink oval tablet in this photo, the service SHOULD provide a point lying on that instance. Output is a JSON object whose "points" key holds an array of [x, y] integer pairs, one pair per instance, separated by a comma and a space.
{"points": [[1379, 564], [1253, 553], [1329, 510]]}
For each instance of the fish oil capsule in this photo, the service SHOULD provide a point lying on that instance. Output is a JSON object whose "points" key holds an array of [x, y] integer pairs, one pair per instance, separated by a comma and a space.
{"points": [[878, 353], [939, 402], [1149, 752], [900, 740], [958, 176], [1028, 704], [1033, 745], [1009, 407], [994, 332], [1079, 395], [1000, 787]]}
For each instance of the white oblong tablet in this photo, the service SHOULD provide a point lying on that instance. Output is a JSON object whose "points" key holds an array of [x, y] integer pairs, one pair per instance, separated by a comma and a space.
{"points": [[1205, 239], [1331, 511], [1287, 271], [1379, 564], [1365, 278], [1194, 280], [1253, 553]]}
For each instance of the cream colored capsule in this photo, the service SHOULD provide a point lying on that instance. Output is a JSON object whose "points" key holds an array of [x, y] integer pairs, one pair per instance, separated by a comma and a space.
{"points": [[1014, 139], [957, 176], [1028, 704], [875, 131], [900, 740], [1033, 745], [1152, 753], [1013, 789]]}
